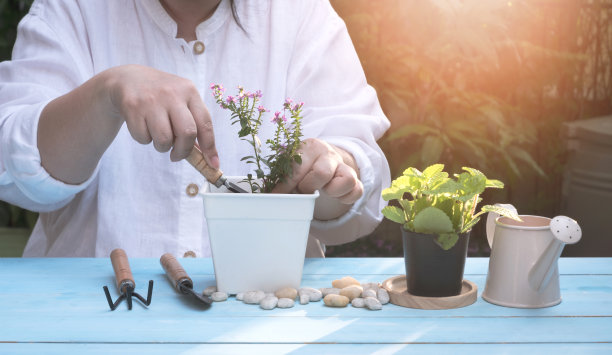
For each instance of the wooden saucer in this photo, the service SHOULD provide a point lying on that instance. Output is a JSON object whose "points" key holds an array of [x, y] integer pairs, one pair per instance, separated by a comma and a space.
{"points": [[398, 295]]}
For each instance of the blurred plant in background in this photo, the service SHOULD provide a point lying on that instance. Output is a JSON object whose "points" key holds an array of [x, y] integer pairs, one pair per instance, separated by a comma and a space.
{"points": [[486, 84]]}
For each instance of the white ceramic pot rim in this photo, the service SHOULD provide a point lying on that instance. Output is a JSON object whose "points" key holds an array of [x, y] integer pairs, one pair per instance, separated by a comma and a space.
{"points": [[541, 223], [263, 196]]}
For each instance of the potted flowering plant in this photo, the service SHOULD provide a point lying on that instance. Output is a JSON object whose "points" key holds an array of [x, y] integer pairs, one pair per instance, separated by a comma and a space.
{"points": [[437, 213], [258, 239]]}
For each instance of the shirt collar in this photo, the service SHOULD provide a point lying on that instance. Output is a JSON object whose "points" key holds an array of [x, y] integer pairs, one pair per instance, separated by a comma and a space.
{"points": [[166, 23]]}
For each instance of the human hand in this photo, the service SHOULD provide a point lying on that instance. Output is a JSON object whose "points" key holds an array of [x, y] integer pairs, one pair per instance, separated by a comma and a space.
{"points": [[326, 168], [162, 108]]}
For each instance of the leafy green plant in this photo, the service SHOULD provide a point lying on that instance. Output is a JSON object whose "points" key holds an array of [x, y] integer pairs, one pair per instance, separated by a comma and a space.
{"points": [[431, 202], [284, 145]]}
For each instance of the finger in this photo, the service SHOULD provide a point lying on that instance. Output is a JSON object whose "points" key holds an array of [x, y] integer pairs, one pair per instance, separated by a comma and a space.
{"points": [[138, 129], [205, 132], [160, 129], [320, 174], [309, 156], [352, 196], [343, 182], [185, 132]]}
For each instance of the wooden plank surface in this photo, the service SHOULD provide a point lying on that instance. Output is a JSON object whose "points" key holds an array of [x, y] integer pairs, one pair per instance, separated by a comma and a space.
{"points": [[59, 303]]}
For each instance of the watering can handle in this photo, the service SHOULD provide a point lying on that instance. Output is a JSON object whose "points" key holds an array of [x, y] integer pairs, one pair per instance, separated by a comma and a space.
{"points": [[491, 217]]}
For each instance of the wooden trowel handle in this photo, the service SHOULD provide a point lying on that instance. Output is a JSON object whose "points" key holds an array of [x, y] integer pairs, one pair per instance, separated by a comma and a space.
{"points": [[196, 159], [121, 265], [174, 270]]}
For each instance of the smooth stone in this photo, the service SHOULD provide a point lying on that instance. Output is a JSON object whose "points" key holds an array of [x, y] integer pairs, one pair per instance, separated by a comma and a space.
{"points": [[358, 302], [253, 297], [218, 296], [383, 296], [329, 291], [286, 292], [373, 303], [304, 299], [351, 292], [345, 282], [285, 302], [208, 291], [370, 285], [270, 294], [336, 300], [239, 296], [314, 295], [269, 302], [368, 293]]}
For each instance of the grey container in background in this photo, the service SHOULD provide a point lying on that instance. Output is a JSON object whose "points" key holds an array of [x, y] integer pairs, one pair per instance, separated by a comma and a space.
{"points": [[587, 185]]}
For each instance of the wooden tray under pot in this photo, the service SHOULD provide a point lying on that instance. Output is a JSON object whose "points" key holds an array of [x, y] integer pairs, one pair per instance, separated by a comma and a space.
{"points": [[398, 295]]}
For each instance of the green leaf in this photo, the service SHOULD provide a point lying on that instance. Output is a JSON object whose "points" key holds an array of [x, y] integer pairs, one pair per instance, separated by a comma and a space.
{"points": [[432, 220], [501, 211], [496, 184], [407, 206], [447, 240], [470, 224], [392, 193], [432, 170], [394, 214]]}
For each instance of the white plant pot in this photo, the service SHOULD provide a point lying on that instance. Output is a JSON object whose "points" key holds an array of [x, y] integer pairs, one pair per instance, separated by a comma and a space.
{"points": [[258, 241]]}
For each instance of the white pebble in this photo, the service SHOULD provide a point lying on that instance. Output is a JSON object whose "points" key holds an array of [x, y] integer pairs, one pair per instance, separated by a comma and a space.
{"points": [[383, 296], [369, 293], [329, 291], [239, 296], [370, 285], [372, 303], [253, 297], [219, 296], [270, 294], [269, 302], [209, 290], [314, 295], [285, 303], [304, 299], [358, 302]]}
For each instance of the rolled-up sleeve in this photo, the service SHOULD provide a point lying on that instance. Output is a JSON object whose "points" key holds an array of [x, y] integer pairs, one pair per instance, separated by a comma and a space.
{"points": [[46, 63], [343, 110]]}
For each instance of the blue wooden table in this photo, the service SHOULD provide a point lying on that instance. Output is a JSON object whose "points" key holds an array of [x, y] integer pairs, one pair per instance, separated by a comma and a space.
{"points": [[57, 306]]}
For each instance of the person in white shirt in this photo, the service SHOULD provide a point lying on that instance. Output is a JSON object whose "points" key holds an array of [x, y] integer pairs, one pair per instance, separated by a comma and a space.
{"points": [[93, 82]]}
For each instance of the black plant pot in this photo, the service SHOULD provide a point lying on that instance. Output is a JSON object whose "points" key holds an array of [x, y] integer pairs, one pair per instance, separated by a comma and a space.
{"points": [[430, 270]]}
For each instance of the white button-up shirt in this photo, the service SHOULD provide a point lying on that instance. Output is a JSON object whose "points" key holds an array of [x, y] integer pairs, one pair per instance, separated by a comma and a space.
{"points": [[137, 199]]}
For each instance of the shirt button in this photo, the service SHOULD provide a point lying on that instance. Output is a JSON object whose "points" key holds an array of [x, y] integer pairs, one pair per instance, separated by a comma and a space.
{"points": [[192, 190], [198, 47], [189, 254]]}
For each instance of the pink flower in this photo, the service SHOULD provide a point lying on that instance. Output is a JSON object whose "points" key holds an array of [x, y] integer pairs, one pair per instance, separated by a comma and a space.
{"points": [[297, 106], [288, 102], [278, 118], [258, 93], [231, 99], [261, 109]]}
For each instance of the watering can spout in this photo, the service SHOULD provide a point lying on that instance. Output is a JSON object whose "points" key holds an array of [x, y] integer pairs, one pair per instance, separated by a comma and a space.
{"points": [[564, 231]]}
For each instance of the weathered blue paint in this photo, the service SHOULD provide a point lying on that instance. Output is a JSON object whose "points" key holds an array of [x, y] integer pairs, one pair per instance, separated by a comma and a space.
{"points": [[58, 306]]}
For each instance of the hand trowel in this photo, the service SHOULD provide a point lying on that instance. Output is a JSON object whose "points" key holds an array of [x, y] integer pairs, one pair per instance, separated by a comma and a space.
{"points": [[214, 176]]}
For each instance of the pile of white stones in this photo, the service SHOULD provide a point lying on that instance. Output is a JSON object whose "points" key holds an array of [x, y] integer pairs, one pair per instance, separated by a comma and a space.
{"points": [[367, 295]]}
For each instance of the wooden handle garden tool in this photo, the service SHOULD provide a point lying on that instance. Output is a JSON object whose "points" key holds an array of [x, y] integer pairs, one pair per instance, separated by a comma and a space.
{"points": [[214, 176], [125, 281], [179, 278]]}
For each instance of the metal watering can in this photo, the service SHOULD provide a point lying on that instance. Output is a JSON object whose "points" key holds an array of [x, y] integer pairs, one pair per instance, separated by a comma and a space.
{"points": [[523, 270]]}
